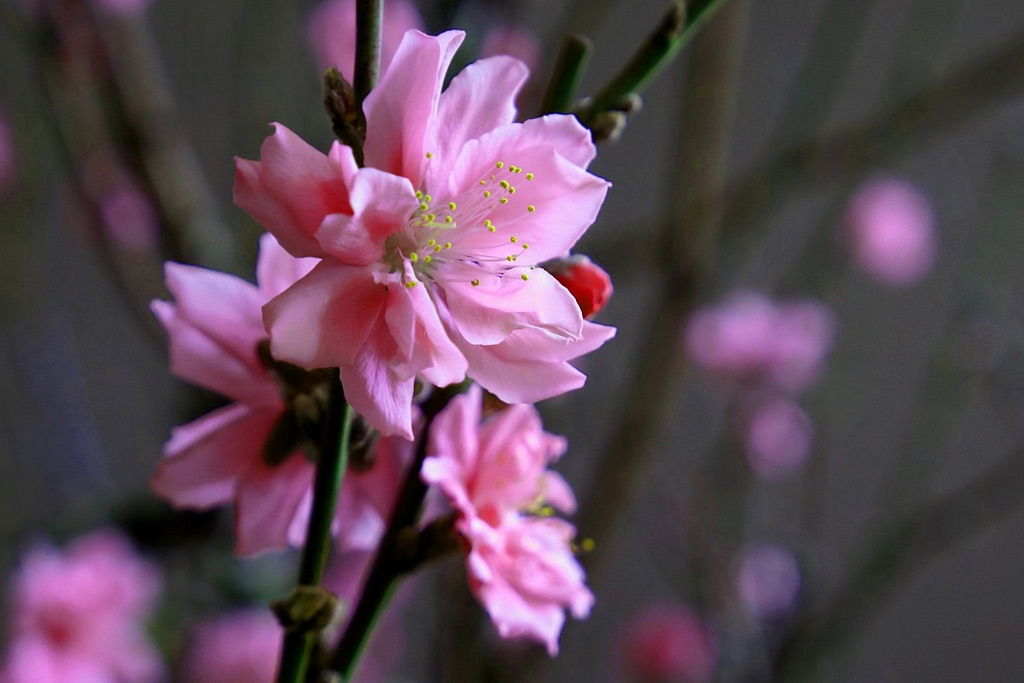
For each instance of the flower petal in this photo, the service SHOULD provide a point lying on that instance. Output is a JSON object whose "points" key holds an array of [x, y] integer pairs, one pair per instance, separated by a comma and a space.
{"points": [[402, 109], [276, 269], [382, 203], [375, 391], [479, 99], [267, 501], [497, 305], [293, 188], [204, 459], [324, 319]]}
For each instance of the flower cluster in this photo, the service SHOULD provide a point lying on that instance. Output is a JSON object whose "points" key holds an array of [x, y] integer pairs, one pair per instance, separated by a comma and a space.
{"points": [[496, 476], [771, 352], [77, 615], [425, 264]]}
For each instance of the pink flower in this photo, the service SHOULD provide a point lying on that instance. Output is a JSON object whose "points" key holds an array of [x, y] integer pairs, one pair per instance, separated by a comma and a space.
{"points": [[77, 615], [215, 326], [331, 32], [588, 282], [240, 647], [430, 252], [892, 231], [779, 436], [668, 643], [521, 568], [750, 338], [769, 580]]}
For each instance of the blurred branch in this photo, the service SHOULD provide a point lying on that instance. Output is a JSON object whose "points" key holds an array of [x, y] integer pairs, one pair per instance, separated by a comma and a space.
{"points": [[894, 556], [965, 96], [687, 243], [961, 98], [367, 61], [565, 78]]}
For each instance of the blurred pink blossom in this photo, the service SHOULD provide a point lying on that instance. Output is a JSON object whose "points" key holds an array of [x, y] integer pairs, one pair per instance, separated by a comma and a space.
{"points": [[331, 32], [239, 647], [521, 567], [751, 339], [668, 643], [514, 42], [429, 252], [779, 437], [77, 615], [769, 580], [891, 231], [215, 326], [130, 219]]}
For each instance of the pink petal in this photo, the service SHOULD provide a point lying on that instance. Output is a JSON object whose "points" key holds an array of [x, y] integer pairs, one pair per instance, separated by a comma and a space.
{"points": [[423, 345], [401, 110], [382, 203], [324, 319], [478, 100], [453, 434], [267, 500], [204, 458], [293, 188], [553, 150], [488, 312], [530, 366], [375, 391], [276, 269]]}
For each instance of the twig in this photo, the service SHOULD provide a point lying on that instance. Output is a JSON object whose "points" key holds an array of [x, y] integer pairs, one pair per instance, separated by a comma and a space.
{"points": [[367, 63], [330, 469], [565, 78]]}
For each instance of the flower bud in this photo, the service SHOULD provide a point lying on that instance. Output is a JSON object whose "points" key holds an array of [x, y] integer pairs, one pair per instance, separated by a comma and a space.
{"points": [[588, 283]]}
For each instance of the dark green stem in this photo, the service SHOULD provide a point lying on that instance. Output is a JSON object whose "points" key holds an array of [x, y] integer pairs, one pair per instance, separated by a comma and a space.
{"points": [[565, 78], [330, 469], [679, 24], [390, 564], [368, 29]]}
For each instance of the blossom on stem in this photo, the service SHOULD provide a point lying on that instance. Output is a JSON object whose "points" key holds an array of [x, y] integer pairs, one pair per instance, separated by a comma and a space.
{"points": [[495, 474], [751, 339], [430, 253], [77, 615], [891, 231], [215, 329], [331, 32]]}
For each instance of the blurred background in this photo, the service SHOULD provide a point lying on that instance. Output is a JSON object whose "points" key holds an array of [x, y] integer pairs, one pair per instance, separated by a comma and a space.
{"points": [[862, 162]]}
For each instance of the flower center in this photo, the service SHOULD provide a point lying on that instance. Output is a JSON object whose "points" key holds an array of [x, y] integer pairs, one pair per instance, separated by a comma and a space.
{"points": [[441, 230]]}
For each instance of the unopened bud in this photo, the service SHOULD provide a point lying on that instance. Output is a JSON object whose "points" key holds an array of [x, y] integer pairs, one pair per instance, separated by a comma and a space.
{"points": [[308, 608], [588, 283], [346, 115], [608, 126]]}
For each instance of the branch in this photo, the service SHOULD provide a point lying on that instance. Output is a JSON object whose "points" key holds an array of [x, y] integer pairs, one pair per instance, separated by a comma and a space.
{"points": [[892, 558]]}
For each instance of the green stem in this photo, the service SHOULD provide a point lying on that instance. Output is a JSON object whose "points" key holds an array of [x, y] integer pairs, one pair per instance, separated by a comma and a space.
{"points": [[565, 78], [679, 24], [389, 565], [330, 470], [368, 29]]}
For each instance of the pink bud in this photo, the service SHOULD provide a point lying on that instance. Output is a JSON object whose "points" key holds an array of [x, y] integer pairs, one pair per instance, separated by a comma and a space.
{"points": [[891, 231], [668, 643], [588, 283], [779, 437], [130, 219], [7, 157]]}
